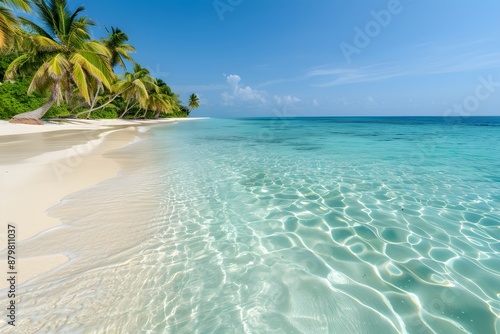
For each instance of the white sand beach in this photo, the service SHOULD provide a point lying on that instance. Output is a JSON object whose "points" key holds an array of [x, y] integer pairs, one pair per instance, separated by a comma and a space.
{"points": [[40, 165]]}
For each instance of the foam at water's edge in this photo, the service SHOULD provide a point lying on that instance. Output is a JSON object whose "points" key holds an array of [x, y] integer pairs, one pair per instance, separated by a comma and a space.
{"points": [[105, 228]]}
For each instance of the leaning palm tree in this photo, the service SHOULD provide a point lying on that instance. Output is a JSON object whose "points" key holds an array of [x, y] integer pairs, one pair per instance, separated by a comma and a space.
{"points": [[116, 44], [135, 88], [173, 98], [194, 101], [64, 57], [8, 21], [119, 51], [159, 103], [132, 87]]}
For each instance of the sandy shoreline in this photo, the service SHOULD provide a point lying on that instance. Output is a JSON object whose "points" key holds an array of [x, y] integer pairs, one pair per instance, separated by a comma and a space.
{"points": [[7, 128], [40, 165]]}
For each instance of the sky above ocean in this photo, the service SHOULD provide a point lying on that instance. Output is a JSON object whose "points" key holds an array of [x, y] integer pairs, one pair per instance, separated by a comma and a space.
{"points": [[327, 57]]}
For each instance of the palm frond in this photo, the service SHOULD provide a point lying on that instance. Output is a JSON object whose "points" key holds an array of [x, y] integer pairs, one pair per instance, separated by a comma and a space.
{"points": [[34, 28], [75, 14], [44, 44], [7, 18], [97, 48], [141, 93], [40, 79], [92, 64], [58, 67], [81, 81], [8, 26], [16, 66], [194, 101], [45, 11], [79, 32], [23, 5]]}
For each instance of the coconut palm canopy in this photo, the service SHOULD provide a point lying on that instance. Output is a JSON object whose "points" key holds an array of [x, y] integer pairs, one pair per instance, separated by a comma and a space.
{"points": [[62, 55], [118, 48], [194, 101], [135, 85], [8, 22], [57, 55]]}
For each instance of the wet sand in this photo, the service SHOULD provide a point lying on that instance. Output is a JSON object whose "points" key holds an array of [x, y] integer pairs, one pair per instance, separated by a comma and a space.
{"points": [[41, 165]]}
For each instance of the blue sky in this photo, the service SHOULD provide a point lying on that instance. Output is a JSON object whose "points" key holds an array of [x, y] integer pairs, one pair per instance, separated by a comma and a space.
{"points": [[321, 57]]}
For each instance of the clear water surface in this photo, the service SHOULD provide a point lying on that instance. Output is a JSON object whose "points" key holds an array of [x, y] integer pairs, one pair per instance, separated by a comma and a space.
{"points": [[324, 225], [338, 225]]}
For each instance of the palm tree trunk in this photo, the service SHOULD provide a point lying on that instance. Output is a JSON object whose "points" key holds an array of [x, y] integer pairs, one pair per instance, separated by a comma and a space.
{"points": [[34, 117], [137, 113], [100, 107], [94, 102], [127, 108]]}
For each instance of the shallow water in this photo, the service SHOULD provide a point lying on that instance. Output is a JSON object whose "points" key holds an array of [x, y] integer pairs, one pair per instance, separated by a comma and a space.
{"points": [[334, 225]]}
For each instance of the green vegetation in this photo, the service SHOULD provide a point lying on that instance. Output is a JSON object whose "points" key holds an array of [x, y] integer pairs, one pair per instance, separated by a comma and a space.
{"points": [[59, 71], [9, 25], [194, 101]]}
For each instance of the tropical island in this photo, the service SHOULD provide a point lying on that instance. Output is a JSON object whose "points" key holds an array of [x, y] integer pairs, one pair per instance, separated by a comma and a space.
{"points": [[53, 68], [349, 189]]}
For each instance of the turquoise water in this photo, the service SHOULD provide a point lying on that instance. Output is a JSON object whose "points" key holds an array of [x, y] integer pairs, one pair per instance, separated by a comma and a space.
{"points": [[361, 225], [333, 225]]}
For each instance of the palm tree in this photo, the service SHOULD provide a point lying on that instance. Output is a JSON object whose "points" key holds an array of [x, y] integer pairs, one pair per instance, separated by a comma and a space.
{"points": [[159, 103], [135, 88], [8, 22], [172, 98], [118, 48], [119, 51], [64, 57], [194, 101]]}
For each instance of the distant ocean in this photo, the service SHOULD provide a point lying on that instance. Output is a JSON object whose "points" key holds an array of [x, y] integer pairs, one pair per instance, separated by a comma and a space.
{"points": [[304, 225]]}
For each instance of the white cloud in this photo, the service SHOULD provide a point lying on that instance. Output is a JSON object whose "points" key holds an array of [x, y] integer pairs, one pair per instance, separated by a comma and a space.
{"points": [[290, 99], [358, 101], [428, 65], [286, 100], [356, 75], [233, 81], [315, 102], [236, 93], [241, 94]]}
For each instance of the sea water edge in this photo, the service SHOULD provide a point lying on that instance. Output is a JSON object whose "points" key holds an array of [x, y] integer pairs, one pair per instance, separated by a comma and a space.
{"points": [[296, 225], [395, 219]]}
